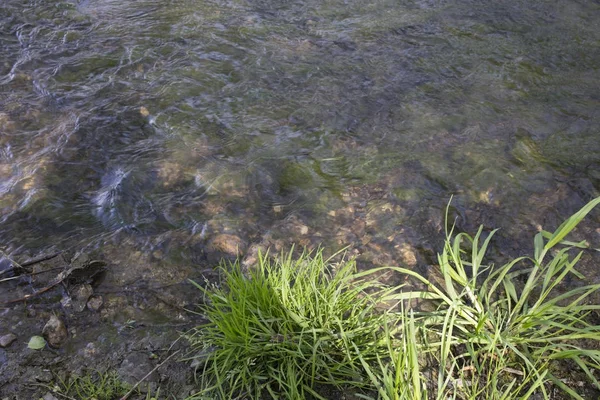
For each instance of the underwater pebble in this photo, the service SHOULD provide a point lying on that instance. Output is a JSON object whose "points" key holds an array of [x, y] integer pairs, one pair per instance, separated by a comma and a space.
{"points": [[94, 303], [229, 244], [80, 296], [252, 255], [408, 254], [43, 375], [144, 111]]}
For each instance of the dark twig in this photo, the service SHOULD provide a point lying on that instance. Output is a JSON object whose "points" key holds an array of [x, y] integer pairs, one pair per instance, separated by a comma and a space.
{"points": [[30, 274], [61, 277], [28, 296], [22, 266], [15, 265], [40, 259]]}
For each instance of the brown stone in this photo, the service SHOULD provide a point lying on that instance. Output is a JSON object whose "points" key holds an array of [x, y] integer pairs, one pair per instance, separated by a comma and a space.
{"points": [[408, 254], [251, 258], [6, 124], [231, 245], [295, 226], [55, 331], [94, 303]]}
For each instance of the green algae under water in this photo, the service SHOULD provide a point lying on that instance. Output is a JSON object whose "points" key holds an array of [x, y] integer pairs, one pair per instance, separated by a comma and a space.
{"points": [[154, 126]]}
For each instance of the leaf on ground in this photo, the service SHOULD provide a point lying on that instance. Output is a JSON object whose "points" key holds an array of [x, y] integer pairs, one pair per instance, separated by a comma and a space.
{"points": [[36, 343]]}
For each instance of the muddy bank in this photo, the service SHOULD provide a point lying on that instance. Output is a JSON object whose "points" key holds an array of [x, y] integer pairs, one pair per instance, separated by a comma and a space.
{"points": [[92, 320]]}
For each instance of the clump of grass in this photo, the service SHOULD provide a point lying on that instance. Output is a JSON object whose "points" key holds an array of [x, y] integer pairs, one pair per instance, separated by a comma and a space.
{"points": [[496, 332], [399, 375], [288, 326], [94, 386]]}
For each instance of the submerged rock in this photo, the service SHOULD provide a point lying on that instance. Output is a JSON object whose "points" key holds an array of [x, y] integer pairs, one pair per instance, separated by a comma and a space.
{"points": [[295, 226], [55, 331], [407, 253], [231, 245], [6, 340], [94, 303], [80, 296]]}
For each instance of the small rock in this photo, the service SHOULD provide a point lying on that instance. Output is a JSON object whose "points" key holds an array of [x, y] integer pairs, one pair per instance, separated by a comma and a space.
{"points": [[66, 302], [358, 227], [90, 350], [295, 226], [80, 296], [94, 303], [171, 173], [5, 123], [49, 396], [303, 229], [55, 331], [45, 272], [6, 340], [231, 245], [251, 256], [407, 254]]}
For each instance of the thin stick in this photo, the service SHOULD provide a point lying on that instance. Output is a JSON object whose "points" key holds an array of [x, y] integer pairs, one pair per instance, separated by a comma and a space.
{"points": [[40, 259], [22, 266], [61, 277], [30, 274], [9, 279], [28, 296], [147, 375], [18, 266]]}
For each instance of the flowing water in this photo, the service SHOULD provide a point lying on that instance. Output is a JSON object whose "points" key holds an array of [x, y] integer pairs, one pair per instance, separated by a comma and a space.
{"points": [[145, 129]]}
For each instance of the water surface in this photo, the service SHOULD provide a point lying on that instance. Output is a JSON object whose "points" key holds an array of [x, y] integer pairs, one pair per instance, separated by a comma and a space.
{"points": [[145, 129]]}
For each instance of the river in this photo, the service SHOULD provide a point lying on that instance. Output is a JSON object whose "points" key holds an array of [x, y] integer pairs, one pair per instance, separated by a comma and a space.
{"points": [[164, 123]]}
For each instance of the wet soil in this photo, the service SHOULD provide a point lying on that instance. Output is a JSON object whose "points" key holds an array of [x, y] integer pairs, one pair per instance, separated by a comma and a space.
{"points": [[109, 325]]}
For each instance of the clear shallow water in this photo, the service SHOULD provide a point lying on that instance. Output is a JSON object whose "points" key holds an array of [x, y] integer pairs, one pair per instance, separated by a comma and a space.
{"points": [[151, 127]]}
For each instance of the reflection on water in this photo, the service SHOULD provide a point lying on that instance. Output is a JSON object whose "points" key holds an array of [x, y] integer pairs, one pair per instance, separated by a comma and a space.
{"points": [[167, 124]]}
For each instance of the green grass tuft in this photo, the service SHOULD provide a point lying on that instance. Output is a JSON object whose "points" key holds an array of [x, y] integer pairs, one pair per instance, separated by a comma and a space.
{"points": [[503, 332], [289, 326], [93, 386]]}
